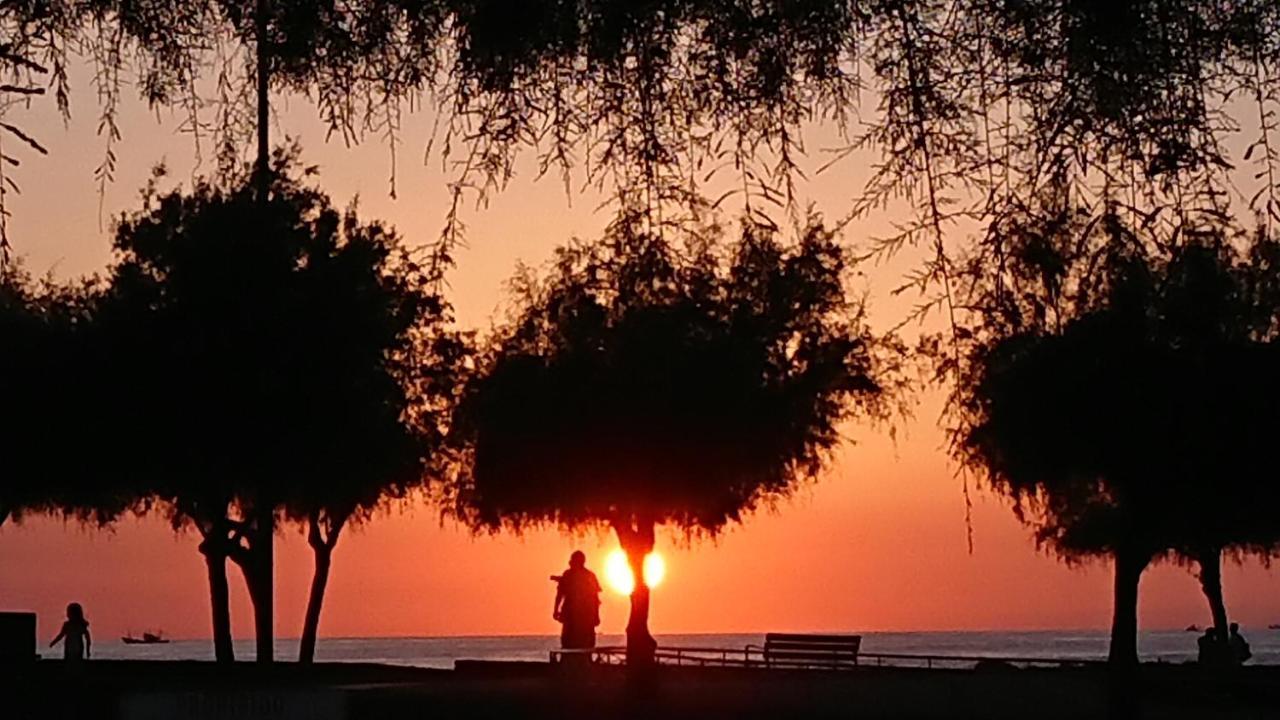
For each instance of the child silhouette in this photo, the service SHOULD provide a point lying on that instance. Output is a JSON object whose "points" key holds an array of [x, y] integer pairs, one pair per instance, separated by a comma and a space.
{"points": [[75, 631]]}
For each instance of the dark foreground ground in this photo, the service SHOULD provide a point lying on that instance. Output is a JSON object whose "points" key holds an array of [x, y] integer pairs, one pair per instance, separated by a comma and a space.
{"points": [[140, 690]]}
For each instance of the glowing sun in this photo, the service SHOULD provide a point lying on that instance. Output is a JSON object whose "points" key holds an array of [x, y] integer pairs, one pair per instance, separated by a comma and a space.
{"points": [[617, 573]]}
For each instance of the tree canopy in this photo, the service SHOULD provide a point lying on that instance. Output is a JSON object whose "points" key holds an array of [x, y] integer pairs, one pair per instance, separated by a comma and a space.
{"points": [[972, 106], [640, 379], [643, 384], [1089, 141], [55, 393], [1120, 392], [290, 361]]}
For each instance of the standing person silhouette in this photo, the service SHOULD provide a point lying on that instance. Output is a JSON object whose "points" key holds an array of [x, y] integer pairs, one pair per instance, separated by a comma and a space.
{"points": [[77, 644], [577, 606]]}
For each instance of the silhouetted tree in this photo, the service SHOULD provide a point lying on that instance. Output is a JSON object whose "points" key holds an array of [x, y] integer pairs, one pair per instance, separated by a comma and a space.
{"points": [[1219, 311], [971, 104], [1065, 430], [390, 368], [643, 384], [1116, 389], [268, 341], [979, 105], [57, 454], [27, 332]]}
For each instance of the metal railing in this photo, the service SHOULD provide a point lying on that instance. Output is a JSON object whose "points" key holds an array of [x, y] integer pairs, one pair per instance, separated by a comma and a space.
{"points": [[679, 656], [968, 661], [753, 656]]}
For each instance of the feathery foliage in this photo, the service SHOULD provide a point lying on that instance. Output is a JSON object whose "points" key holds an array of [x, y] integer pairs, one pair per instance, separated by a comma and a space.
{"points": [[1122, 393], [642, 384], [287, 359], [683, 385], [56, 428]]}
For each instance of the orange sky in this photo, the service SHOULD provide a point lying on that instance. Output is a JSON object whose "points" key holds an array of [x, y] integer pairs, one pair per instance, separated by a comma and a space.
{"points": [[878, 544]]}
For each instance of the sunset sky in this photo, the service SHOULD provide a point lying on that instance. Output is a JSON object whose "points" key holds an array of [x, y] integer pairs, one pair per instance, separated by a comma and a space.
{"points": [[879, 543]]}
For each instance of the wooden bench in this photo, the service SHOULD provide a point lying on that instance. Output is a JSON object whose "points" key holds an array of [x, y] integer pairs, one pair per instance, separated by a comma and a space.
{"points": [[811, 651]]}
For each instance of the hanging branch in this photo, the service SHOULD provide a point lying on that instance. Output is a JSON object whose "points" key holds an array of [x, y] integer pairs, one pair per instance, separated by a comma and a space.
{"points": [[1264, 94]]}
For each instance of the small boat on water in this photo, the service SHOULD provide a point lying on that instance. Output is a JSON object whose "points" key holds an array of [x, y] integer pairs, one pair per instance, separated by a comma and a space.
{"points": [[1274, 626], [146, 639], [1193, 628]]}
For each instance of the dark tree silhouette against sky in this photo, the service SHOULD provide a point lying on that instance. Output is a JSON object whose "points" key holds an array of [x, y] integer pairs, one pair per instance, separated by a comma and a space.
{"points": [[979, 112], [1120, 392], [640, 384], [54, 391], [972, 106], [387, 367], [291, 362]]}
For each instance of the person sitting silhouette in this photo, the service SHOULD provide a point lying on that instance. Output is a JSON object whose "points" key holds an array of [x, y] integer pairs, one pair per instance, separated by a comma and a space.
{"points": [[1215, 648], [75, 632], [577, 606], [1240, 652]]}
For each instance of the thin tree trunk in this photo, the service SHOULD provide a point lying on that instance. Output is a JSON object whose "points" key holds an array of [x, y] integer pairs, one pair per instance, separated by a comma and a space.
{"points": [[262, 590], [311, 623], [219, 604], [262, 586], [260, 599], [322, 547], [256, 563], [1129, 566], [1210, 561], [262, 165], [637, 542]]}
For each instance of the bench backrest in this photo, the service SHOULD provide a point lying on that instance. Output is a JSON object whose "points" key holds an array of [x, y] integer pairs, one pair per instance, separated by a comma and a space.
{"points": [[803, 649]]}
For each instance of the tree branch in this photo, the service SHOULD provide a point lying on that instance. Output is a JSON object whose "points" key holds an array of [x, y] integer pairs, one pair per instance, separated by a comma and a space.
{"points": [[314, 538], [335, 529], [35, 145]]}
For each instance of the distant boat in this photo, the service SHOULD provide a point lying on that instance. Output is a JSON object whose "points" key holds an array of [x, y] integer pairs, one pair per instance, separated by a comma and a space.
{"points": [[1274, 626], [1193, 628], [146, 639]]}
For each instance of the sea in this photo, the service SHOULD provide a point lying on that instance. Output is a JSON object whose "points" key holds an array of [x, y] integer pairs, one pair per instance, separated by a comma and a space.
{"points": [[442, 652]]}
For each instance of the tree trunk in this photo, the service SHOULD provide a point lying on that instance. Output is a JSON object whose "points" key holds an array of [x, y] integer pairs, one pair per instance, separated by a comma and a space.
{"points": [[1210, 561], [640, 643], [262, 164], [311, 623], [257, 565], [1129, 565], [262, 588], [219, 604], [262, 559], [637, 542], [323, 548]]}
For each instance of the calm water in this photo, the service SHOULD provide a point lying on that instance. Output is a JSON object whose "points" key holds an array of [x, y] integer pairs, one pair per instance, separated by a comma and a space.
{"points": [[441, 652]]}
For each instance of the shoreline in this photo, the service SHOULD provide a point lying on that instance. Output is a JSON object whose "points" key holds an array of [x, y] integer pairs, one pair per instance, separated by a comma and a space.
{"points": [[1044, 647], [143, 690]]}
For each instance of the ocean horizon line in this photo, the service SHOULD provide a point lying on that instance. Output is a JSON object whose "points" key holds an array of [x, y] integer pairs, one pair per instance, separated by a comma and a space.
{"points": [[844, 631]]}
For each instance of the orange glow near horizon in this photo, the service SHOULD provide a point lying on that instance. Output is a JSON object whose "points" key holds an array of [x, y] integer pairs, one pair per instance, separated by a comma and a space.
{"points": [[620, 579]]}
